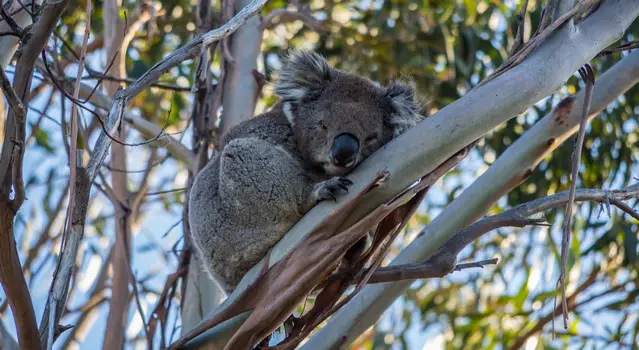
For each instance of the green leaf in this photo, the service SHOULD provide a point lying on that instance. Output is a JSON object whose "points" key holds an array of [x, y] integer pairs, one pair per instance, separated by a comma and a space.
{"points": [[42, 140]]}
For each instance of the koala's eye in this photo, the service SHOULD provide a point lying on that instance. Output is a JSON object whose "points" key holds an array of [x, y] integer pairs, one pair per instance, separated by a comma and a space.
{"points": [[371, 138], [322, 125]]}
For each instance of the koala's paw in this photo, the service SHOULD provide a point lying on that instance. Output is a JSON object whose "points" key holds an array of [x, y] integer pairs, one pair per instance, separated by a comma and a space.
{"points": [[330, 188]]}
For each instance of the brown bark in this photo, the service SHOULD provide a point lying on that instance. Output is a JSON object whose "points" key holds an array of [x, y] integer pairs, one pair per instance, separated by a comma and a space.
{"points": [[13, 283], [12, 186]]}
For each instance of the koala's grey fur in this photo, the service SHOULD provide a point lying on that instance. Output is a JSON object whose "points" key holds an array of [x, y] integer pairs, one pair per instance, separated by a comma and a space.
{"points": [[274, 168]]}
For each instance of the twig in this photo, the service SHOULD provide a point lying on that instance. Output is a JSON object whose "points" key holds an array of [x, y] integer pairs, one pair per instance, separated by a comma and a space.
{"points": [[479, 264], [623, 47], [166, 191], [588, 76], [443, 262], [12, 97], [519, 38], [12, 23]]}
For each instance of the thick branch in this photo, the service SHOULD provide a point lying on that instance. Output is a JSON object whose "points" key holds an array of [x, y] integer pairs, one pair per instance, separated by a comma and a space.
{"points": [[424, 147], [513, 167]]}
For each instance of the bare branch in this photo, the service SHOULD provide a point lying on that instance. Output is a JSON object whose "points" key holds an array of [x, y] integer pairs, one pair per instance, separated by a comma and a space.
{"points": [[423, 270], [623, 47], [589, 78], [519, 38], [11, 276]]}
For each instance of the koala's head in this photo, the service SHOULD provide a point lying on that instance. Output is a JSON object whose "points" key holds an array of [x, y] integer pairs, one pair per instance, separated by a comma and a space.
{"points": [[338, 118]]}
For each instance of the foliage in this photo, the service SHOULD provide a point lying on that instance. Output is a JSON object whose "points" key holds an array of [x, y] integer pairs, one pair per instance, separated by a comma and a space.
{"points": [[445, 47]]}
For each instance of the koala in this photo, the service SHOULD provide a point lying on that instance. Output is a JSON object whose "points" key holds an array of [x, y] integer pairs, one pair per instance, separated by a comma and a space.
{"points": [[272, 169]]}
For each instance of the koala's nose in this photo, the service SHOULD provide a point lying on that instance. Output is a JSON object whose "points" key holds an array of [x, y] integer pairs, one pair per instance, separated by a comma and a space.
{"points": [[344, 151]]}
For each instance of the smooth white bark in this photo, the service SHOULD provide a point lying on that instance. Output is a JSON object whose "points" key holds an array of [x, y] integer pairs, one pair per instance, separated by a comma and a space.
{"points": [[421, 149], [508, 171], [9, 43]]}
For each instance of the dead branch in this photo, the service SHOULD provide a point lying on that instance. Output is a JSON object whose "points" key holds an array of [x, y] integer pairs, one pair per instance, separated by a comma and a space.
{"points": [[73, 165], [589, 78]]}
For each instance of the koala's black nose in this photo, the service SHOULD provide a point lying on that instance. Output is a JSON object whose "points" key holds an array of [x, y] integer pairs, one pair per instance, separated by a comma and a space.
{"points": [[344, 151]]}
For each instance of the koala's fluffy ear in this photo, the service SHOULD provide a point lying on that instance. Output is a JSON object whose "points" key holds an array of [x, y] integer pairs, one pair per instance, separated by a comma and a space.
{"points": [[406, 109], [302, 76]]}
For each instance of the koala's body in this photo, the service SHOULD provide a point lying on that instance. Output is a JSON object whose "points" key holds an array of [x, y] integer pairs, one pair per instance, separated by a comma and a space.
{"points": [[274, 168]]}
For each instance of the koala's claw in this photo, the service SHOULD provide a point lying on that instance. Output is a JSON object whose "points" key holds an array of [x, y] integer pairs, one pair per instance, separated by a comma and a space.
{"points": [[328, 189]]}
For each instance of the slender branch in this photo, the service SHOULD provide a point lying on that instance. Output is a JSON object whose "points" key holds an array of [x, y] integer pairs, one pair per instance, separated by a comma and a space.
{"points": [[623, 47], [519, 38], [589, 77], [10, 94], [543, 35], [443, 262]]}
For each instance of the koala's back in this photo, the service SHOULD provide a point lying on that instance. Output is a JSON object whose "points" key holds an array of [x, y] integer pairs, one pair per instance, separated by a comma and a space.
{"points": [[247, 197]]}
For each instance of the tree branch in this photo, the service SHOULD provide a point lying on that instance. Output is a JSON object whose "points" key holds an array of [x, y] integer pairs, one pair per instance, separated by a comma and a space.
{"points": [[440, 136], [510, 169], [11, 276], [86, 176], [9, 44], [589, 78]]}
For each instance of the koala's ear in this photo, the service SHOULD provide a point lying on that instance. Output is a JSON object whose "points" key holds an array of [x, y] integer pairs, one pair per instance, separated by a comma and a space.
{"points": [[405, 109], [302, 76]]}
